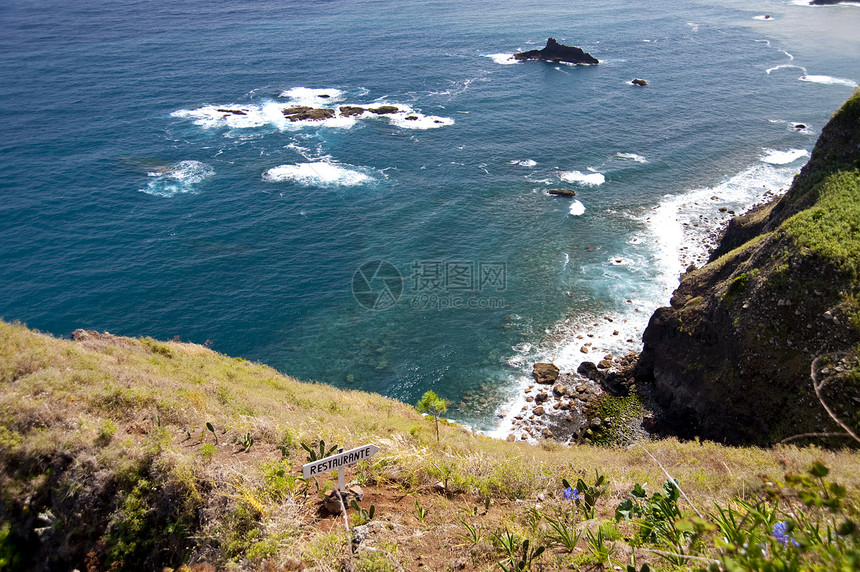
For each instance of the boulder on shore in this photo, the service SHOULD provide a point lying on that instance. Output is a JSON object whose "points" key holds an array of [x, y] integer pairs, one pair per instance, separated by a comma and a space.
{"points": [[545, 372], [562, 192], [555, 52]]}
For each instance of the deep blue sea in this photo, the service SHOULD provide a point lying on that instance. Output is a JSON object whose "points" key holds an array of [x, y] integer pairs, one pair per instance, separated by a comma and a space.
{"points": [[152, 185]]}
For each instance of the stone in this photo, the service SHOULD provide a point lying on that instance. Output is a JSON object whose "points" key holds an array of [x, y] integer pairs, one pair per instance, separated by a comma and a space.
{"points": [[604, 364], [639, 82], [385, 110], [511, 438], [538, 411], [555, 52], [331, 502], [559, 389], [541, 397], [350, 110], [545, 372], [562, 192], [588, 370], [304, 113]]}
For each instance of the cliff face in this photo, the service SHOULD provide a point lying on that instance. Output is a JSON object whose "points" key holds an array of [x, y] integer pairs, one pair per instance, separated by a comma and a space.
{"points": [[731, 358]]}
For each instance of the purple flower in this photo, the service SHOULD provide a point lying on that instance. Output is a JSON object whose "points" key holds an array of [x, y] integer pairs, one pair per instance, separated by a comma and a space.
{"points": [[571, 494], [780, 533]]}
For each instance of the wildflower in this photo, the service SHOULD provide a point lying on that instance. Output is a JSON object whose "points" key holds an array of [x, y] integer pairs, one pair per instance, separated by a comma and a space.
{"points": [[571, 494], [780, 533]]}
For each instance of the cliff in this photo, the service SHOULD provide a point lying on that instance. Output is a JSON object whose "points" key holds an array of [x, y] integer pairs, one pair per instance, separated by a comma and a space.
{"points": [[731, 359]]}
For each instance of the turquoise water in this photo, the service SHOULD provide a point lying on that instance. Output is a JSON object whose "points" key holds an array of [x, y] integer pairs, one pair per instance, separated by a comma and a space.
{"points": [[132, 205]]}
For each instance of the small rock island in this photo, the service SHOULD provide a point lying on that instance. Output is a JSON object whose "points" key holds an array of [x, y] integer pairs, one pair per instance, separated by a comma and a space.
{"points": [[555, 52]]}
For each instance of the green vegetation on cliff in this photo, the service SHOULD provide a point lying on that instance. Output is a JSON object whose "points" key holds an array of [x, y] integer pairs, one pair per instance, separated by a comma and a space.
{"points": [[732, 359]]}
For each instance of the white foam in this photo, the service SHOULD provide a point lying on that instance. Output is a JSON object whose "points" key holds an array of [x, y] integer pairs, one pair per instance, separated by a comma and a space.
{"points": [[209, 116], [411, 120], [768, 71], [682, 225], [181, 177], [272, 113], [312, 97], [775, 157], [828, 80], [632, 157], [592, 179], [524, 162], [763, 17], [317, 174], [693, 26], [503, 59], [577, 208]]}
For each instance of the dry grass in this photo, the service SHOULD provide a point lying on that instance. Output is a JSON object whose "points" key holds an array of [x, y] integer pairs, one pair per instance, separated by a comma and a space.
{"points": [[108, 415]]}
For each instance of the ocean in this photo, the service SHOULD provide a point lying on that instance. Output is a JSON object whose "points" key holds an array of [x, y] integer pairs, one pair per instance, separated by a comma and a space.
{"points": [[152, 185]]}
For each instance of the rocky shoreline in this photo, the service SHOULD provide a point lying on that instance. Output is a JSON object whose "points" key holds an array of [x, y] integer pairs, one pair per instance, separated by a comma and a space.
{"points": [[565, 406], [568, 406]]}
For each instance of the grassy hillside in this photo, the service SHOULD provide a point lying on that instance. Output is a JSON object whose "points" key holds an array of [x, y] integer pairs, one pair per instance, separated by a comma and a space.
{"points": [[107, 462]]}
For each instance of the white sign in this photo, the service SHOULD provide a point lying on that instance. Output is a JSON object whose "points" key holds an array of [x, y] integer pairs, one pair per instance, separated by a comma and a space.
{"points": [[336, 462]]}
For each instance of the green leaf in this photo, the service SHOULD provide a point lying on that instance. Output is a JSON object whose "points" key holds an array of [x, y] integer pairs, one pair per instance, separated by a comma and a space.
{"points": [[624, 510], [639, 492], [671, 490], [837, 490], [819, 470]]}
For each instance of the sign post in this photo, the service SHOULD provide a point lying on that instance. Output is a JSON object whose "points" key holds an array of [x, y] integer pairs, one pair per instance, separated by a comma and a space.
{"points": [[338, 463]]}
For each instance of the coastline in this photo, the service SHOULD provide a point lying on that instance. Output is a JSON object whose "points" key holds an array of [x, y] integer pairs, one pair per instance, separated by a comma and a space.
{"points": [[597, 355]]}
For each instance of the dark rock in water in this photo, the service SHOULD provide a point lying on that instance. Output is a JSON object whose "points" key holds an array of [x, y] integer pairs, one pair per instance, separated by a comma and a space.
{"points": [[562, 192], [799, 126], [304, 113], [233, 111], [411, 118], [385, 109], [555, 52], [639, 82], [350, 110], [832, 2], [545, 372]]}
